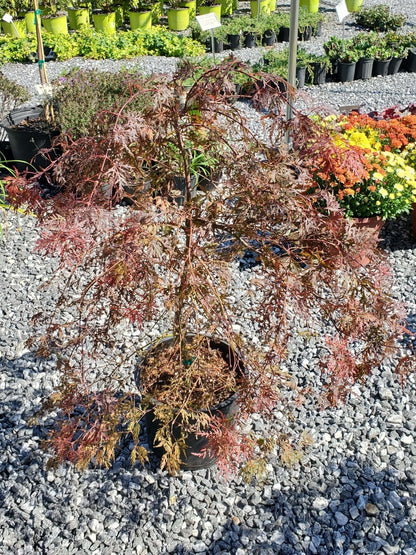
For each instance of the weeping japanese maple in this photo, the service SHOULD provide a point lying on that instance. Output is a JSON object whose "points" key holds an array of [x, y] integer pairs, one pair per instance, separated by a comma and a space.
{"points": [[152, 212]]}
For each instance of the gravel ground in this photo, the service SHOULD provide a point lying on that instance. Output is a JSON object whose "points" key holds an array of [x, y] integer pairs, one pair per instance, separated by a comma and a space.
{"points": [[353, 492]]}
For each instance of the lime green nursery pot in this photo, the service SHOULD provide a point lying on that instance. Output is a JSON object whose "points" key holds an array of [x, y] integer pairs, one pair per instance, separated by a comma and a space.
{"points": [[191, 5], [105, 22], [354, 5], [311, 5], [211, 9], [264, 7], [78, 18], [30, 22], [15, 29], [140, 20], [56, 25], [178, 19]]}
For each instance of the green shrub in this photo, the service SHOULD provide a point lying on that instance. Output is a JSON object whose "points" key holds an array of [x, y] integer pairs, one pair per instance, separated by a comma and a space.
{"points": [[379, 18]]}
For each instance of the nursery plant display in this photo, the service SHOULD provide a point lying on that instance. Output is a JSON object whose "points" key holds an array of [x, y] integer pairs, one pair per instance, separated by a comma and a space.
{"points": [[17, 9], [170, 261], [54, 16], [386, 185]]}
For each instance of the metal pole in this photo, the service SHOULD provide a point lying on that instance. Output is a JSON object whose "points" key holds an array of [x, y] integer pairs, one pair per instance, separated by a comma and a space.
{"points": [[212, 44], [293, 40]]}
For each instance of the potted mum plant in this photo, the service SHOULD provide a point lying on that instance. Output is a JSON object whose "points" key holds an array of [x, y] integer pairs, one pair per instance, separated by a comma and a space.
{"points": [[157, 262]]}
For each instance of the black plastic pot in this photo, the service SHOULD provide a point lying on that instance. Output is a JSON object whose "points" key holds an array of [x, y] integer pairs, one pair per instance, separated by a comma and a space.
{"points": [[319, 73], [346, 71], [318, 30], [234, 42], [410, 61], [381, 67], [300, 77], [269, 38], [194, 443], [26, 142], [306, 34], [364, 68], [394, 66], [179, 184], [250, 40], [218, 45], [284, 34]]}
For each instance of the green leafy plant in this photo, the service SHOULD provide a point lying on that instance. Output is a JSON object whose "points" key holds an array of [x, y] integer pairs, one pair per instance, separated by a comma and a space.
{"points": [[53, 7], [16, 8], [379, 18], [11, 95], [160, 262], [103, 6]]}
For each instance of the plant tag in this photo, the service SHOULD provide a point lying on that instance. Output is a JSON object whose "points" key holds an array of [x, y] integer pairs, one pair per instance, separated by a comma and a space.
{"points": [[342, 11], [208, 21], [7, 18], [44, 91]]}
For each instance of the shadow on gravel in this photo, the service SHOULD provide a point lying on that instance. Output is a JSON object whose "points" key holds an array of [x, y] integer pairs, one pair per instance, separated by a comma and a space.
{"points": [[354, 509]]}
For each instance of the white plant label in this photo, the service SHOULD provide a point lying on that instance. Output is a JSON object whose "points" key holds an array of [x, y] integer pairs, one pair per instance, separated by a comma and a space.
{"points": [[7, 18], [342, 11], [44, 91], [208, 21]]}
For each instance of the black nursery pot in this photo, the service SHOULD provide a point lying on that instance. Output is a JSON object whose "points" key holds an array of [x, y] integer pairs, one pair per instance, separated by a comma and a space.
{"points": [[250, 40], [410, 61], [234, 42], [364, 68], [300, 77], [318, 74], [394, 66], [269, 38], [381, 67], [195, 443], [346, 71], [25, 141], [284, 34]]}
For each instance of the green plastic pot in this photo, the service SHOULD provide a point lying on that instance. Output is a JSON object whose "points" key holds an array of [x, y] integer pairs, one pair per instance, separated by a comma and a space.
{"points": [[140, 20], [30, 22], [178, 19], [78, 18], [264, 7], [105, 22], [272, 5], [354, 5], [15, 29], [226, 7], [311, 5], [191, 4], [211, 9], [56, 25]]}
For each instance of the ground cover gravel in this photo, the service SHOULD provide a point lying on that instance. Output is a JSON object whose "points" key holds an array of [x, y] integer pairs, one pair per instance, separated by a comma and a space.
{"points": [[353, 493]]}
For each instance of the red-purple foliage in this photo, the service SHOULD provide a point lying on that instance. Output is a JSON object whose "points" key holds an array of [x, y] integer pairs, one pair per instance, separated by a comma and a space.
{"points": [[164, 259]]}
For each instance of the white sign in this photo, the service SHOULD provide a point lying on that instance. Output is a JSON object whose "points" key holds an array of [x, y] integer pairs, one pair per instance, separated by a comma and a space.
{"points": [[7, 18], [342, 10], [208, 21], [44, 91]]}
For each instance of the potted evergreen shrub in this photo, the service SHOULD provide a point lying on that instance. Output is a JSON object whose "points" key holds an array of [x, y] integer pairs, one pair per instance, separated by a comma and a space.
{"points": [[158, 261], [379, 18], [364, 44]]}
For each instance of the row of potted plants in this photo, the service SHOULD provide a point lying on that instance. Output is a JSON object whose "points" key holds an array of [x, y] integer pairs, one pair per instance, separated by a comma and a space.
{"points": [[250, 32], [167, 258], [370, 54], [142, 13], [157, 41]]}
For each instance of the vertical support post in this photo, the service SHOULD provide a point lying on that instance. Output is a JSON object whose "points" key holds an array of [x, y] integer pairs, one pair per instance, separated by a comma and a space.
{"points": [[212, 44], [293, 40]]}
